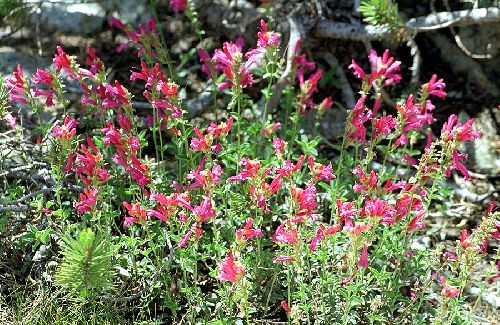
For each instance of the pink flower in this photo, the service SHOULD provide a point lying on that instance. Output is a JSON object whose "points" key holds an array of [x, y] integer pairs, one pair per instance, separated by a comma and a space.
{"points": [[415, 222], [247, 232], [88, 200], [460, 132], [182, 243], [363, 260], [465, 239], [300, 62], [307, 88], [455, 164], [383, 125], [283, 259], [207, 66], [18, 87], [325, 105], [357, 70], [434, 87], [177, 5], [136, 213], [63, 62], [279, 146], [305, 199], [231, 269], [250, 168], [10, 119], [271, 128], [345, 281], [88, 165], [265, 37], [285, 306], [204, 211], [320, 171], [230, 58], [321, 234], [286, 233], [449, 291], [205, 178], [289, 168], [357, 119], [379, 209], [365, 183], [384, 66], [347, 212], [67, 130], [43, 77]]}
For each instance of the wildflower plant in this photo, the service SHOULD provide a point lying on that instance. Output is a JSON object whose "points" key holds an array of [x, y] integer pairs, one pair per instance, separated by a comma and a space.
{"points": [[222, 221]]}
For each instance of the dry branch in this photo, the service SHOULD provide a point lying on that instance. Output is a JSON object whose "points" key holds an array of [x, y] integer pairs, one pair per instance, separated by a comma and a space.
{"points": [[360, 32]]}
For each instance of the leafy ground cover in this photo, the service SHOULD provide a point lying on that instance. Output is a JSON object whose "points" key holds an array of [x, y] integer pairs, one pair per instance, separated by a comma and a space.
{"points": [[151, 216]]}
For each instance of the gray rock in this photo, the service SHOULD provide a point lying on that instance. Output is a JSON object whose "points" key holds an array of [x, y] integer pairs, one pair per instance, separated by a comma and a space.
{"points": [[10, 58], [490, 297], [41, 254], [485, 149], [128, 11], [69, 17]]}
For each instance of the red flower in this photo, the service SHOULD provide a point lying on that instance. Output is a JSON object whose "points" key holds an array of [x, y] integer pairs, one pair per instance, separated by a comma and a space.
{"points": [[320, 171], [230, 59], [305, 199], [415, 223], [286, 233], [379, 209], [88, 165], [289, 168], [460, 132], [448, 290], [231, 269], [434, 87], [204, 211], [177, 5], [136, 213], [383, 125], [363, 260], [88, 200], [279, 146], [321, 234], [18, 87], [285, 306], [283, 259], [67, 130], [455, 164], [307, 88], [247, 232], [63, 62], [250, 168], [205, 178], [384, 66], [265, 37], [358, 117]]}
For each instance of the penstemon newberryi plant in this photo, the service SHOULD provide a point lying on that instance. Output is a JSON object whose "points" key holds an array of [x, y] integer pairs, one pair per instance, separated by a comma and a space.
{"points": [[241, 219]]}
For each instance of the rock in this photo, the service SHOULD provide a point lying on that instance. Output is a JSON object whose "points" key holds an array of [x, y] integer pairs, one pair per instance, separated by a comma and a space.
{"points": [[485, 150], [69, 17], [128, 11], [41, 254], [10, 58], [421, 243], [490, 297]]}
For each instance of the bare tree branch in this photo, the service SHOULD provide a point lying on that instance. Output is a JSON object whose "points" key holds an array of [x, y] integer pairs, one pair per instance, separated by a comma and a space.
{"points": [[360, 32], [440, 20], [295, 32]]}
